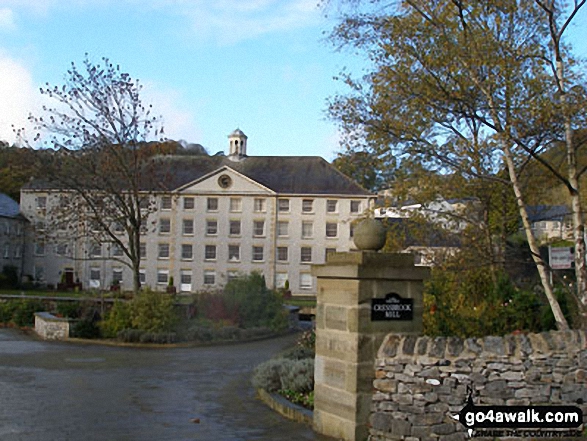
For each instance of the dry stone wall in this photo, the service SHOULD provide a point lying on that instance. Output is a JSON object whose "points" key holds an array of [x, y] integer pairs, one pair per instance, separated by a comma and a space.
{"points": [[49, 327], [533, 369]]}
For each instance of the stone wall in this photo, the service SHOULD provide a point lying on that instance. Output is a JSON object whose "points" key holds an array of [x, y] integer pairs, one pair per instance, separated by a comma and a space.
{"points": [[49, 327], [534, 369]]}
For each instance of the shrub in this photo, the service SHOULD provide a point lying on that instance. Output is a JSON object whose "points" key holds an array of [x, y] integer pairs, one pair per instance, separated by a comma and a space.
{"points": [[256, 304], [85, 328], [9, 277], [284, 374], [117, 320], [7, 311], [298, 353], [69, 309], [152, 311], [24, 312]]}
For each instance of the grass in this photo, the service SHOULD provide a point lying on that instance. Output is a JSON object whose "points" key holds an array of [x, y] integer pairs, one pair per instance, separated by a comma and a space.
{"points": [[52, 293]]}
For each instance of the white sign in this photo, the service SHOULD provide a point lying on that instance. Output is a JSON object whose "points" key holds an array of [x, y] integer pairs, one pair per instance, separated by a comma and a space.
{"points": [[561, 257]]}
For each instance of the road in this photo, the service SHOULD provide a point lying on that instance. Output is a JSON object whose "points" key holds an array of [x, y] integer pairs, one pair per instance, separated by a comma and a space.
{"points": [[55, 391]]}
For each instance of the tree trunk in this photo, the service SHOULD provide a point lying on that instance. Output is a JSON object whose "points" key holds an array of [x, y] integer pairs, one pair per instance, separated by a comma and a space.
{"points": [[561, 322]]}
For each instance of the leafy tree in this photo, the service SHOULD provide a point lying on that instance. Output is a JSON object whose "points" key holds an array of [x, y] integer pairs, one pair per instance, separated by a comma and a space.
{"points": [[461, 86], [17, 167], [99, 132]]}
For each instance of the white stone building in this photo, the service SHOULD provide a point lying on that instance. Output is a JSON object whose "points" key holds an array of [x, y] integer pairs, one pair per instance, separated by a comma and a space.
{"points": [[224, 215], [12, 234]]}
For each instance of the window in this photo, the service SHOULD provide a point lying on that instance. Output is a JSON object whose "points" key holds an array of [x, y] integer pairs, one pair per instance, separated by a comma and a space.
{"points": [[212, 204], [188, 227], [163, 251], [351, 230], [61, 249], [257, 254], [282, 228], [236, 205], [118, 228], [39, 248], [17, 252], [210, 252], [19, 229], [117, 250], [260, 205], [209, 277], [329, 251], [307, 229], [259, 228], [231, 275], [305, 281], [41, 202], [185, 280], [234, 253], [331, 206], [164, 226], [355, 206], [116, 275], [188, 203], [307, 205], [95, 276], [143, 250], [96, 250], [7, 251], [212, 227], [280, 280], [282, 254], [142, 276], [39, 273], [187, 251], [306, 254], [235, 228], [165, 202], [162, 277], [283, 205], [331, 229]]}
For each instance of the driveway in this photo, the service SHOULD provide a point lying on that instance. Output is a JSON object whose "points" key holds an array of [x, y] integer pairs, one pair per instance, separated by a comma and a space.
{"points": [[63, 391]]}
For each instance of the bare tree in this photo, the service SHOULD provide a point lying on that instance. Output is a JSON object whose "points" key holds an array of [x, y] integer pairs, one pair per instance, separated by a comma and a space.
{"points": [[103, 165]]}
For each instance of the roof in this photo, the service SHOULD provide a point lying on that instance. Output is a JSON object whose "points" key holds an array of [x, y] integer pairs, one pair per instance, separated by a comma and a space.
{"points": [[237, 132], [281, 174], [537, 213], [8, 207]]}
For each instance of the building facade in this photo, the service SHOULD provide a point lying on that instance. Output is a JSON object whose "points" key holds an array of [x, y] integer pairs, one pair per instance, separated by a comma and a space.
{"points": [[12, 235], [215, 217]]}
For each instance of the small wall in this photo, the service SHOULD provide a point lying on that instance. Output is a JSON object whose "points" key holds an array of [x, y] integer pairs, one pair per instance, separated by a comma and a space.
{"points": [[49, 327], [534, 369]]}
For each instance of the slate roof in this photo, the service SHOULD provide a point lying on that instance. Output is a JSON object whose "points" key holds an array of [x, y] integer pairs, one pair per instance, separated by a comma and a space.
{"points": [[537, 213], [282, 174], [8, 207]]}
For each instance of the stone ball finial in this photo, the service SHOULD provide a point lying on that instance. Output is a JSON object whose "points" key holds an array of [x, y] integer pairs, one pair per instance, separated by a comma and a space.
{"points": [[370, 235]]}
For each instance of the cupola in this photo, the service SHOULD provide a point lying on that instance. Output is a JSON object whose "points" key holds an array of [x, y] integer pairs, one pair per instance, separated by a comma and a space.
{"points": [[237, 145]]}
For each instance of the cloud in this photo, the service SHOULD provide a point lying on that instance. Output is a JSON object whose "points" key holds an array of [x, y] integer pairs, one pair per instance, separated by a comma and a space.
{"points": [[7, 22], [18, 96], [228, 22], [178, 121]]}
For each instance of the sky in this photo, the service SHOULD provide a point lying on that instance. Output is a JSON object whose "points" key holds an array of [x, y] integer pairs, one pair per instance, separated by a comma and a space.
{"points": [[208, 67]]}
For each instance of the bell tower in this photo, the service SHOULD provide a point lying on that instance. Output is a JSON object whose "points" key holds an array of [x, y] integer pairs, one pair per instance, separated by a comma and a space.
{"points": [[237, 145]]}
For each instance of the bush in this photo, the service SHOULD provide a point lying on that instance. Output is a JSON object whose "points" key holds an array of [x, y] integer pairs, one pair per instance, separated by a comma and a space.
{"points": [[117, 319], [284, 374], [153, 312], [85, 328], [7, 311], [9, 277], [298, 353], [69, 309], [24, 312], [256, 304]]}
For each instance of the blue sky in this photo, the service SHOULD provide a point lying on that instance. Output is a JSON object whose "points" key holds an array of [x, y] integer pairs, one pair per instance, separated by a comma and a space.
{"points": [[208, 66]]}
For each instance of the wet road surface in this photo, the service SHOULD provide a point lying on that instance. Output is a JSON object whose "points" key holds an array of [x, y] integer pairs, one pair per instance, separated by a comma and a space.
{"points": [[63, 391]]}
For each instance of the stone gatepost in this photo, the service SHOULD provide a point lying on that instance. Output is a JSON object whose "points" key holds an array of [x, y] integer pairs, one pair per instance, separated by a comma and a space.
{"points": [[362, 297]]}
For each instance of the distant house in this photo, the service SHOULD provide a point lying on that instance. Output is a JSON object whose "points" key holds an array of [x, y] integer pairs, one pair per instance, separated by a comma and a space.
{"points": [[12, 234], [550, 222], [217, 216], [439, 235]]}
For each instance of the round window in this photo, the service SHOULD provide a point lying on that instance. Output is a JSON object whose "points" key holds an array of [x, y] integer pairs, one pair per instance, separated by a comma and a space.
{"points": [[224, 181]]}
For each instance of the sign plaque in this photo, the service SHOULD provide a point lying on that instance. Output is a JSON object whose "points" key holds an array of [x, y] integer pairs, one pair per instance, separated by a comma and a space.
{"points": [[392, 307]]}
